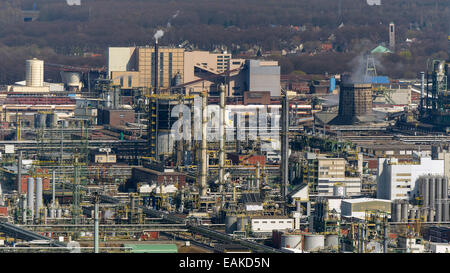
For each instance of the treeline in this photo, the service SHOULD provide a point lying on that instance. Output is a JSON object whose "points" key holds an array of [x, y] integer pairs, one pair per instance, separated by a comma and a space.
{"points": [[236, 25]]}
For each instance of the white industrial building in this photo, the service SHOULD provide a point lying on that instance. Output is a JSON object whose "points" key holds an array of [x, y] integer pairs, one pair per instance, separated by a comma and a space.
{"points": [[397, 180], [267, 224], [439, 247], [356, 208]]}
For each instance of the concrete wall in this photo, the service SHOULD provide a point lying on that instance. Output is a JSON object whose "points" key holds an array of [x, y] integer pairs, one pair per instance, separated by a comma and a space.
{"points": [[264, 76]]}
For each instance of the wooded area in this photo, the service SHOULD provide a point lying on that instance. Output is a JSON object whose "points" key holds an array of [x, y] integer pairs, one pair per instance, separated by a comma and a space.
{"points": [[63, 34]]}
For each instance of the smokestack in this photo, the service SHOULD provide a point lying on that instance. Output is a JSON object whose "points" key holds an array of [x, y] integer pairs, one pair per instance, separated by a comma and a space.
{"points": [[203, 173], [222, 138], [156, 66]]}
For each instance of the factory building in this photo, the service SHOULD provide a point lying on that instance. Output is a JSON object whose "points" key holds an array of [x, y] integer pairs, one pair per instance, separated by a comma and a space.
{"points": [[356, 208], [323, 174], [133, 67], [270, 223], [397, 179]]}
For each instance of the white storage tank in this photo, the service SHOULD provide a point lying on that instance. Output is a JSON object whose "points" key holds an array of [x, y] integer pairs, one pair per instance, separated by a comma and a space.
{"points": [[291, 241], [313, 242], [34, 73]]}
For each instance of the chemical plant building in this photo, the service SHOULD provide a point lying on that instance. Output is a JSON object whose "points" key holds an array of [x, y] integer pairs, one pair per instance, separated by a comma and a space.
{"points": [[397, 179], [302, 180]]}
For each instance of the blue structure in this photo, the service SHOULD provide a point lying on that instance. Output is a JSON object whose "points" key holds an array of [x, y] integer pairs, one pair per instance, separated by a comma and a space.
{"points": [[332, 84], [380, 80]]}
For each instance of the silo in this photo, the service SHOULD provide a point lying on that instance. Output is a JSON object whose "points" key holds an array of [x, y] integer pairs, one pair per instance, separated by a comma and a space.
{"points": [[59, 213], [313, 242], [30, 195], [431, 215], [424, 214], [438, 215], [34, 73], [38, 199], [404, 214], [426, 191], [438, 188], [445, 211], [331, 240], [291, 240], [432, 188], [445, 188]]}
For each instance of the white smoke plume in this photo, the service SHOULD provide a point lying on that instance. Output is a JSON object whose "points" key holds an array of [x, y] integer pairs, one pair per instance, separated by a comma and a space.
{"points": [[359, 64], [173, 17], [158, 34]]}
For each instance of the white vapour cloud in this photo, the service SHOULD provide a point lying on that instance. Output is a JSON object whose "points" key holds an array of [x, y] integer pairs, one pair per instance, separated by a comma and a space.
{"points": [[158, 34]]}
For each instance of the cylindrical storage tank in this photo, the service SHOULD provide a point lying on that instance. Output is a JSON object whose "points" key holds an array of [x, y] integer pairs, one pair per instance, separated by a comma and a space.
{"points": [[72, 79], [445, 188], [59, 213], [432, 194], [438, 215], [52, 213], [291, 240], [438, 188], [398, 211], [426, 192], [332, 240], [39, 194], [445, 211], [404, 206], [313, 242], [30, 194], [34, 74]]}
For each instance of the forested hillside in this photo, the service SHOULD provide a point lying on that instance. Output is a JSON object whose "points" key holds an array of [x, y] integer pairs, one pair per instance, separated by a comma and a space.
{"points": [[64, 34]]}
